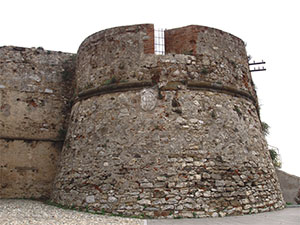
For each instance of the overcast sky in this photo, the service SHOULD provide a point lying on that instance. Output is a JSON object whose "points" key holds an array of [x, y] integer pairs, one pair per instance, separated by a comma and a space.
{"points": [[270, 29]]}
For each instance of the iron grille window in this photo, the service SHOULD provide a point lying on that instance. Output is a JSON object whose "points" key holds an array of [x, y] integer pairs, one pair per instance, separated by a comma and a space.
{"points": [[159, 41]]}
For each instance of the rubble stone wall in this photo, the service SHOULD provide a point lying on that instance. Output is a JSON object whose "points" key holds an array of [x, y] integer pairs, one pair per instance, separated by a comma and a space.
{"points": [[109, 55], [174, 135], [35, 89]]}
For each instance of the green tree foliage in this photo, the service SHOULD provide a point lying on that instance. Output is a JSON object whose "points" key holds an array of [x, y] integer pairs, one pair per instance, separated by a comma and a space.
{"points": [[274, 152], [265, 128], [275, 156]]}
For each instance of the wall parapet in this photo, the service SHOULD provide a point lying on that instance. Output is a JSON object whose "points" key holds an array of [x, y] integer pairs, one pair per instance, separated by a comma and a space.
{"points": [[223, 60]]}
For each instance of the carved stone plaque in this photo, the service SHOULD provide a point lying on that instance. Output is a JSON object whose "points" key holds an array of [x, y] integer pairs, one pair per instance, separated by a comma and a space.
{"points": [[148, 99]]}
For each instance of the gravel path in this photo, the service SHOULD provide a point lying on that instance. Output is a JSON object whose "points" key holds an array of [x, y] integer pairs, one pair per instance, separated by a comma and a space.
{"points": [[23, 212]]}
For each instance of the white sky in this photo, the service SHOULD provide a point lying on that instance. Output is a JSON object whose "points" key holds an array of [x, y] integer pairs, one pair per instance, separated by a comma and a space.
{"points": [[270, 29]]}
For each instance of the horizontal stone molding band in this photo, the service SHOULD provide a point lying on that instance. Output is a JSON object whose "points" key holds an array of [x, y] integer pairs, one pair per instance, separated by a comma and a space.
{"points": [[191, 84], [111, 88], [11, 138], [198, 85]]}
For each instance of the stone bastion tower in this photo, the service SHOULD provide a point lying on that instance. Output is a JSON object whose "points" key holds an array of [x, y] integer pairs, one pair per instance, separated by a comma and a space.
{"points": [[174, 135]]}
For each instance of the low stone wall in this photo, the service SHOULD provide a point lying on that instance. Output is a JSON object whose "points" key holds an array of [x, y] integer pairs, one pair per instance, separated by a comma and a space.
{"points": [[289, 184]]}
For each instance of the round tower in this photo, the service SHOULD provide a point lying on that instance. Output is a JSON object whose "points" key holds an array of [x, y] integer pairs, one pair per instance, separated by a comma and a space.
{"points": [[175, 135]]}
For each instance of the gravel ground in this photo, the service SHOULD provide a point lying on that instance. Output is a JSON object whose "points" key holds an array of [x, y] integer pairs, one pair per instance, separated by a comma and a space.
{"points": [[23, 212]]}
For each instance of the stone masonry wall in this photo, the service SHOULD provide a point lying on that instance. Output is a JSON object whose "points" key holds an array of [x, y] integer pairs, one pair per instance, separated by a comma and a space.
{"points": [[221, 53], [27, 168], [120, 51], [35, 89], [290, 185], [166, 136]]}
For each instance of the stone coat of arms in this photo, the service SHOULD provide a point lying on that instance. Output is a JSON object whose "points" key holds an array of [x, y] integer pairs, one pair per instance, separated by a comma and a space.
{"points": [[148, 99]]}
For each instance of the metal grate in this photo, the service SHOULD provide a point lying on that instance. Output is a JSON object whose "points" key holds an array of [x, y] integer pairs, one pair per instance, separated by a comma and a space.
{"points": [[255, 69], [159, 41]]}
